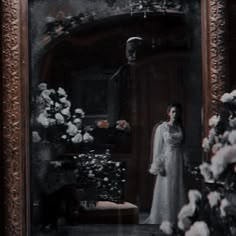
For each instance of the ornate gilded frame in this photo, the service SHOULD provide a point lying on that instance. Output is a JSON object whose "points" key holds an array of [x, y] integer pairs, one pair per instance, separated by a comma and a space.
{"points": [[14, 107]]}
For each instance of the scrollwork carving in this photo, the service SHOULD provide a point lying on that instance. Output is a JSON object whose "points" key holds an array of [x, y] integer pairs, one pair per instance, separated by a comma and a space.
{"points": [[12, 120], [217, 51]]}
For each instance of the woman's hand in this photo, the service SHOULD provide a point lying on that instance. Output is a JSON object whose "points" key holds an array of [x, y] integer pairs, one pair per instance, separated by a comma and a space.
{"points": [[153, 171]]}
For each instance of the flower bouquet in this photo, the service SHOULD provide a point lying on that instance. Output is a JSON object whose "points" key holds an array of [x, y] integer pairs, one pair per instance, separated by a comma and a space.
{"points": [[56, 122]]}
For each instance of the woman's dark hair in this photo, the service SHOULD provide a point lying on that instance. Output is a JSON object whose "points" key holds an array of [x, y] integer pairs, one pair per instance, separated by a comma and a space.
{"points": [[176, 105], [179, 107]]}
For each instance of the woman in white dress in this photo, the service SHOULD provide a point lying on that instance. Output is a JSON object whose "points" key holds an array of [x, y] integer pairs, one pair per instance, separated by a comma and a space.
{"points": [[167, 164]]}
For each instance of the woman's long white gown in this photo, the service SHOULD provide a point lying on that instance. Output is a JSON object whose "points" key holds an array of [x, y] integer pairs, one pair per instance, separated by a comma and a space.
{"points": [[169, 193]]}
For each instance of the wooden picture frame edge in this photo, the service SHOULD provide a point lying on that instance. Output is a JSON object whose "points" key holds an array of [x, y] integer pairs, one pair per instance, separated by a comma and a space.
{"points": [[15, 99]]}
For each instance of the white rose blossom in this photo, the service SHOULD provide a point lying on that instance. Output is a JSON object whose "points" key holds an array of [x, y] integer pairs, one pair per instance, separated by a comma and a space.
{"points": [[59, 118], [224, 203], [77, 122], [187, 211], [72, 129], [227, 97], [214, 120], [211, 136], [67, 103], [221, 159], [46, 95], [87, 137], [205, 170], [36, 137], [52, 91], [233, 94], [225, 136], [77, 138], [66, 111], [52, 121], [216, 147], [206, 145], [213, 198], [64, 136], [194, 196], [58, 106], [232, 137], [43, 120], [63, 100], [184, 224], [79, 111], [232, 122], [42, 86], [199, 228], [61, 91], [166, 227]]}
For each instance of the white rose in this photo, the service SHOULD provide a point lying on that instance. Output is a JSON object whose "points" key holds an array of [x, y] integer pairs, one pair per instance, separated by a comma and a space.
{"points": [[66, 111], [232, 137], [57, 106], [45, 94], [205, 170], [216, 147], [36, 137], [166, 227], [67, 103], [224, 203], [59, 118], [63, 100], [52, 121], [79, 111], [184, 224], [117, 164], [72, 129], [232, 122], [217, 169], [227, 97], [233, 93], [206, 145], [61, 91], [77, 122], [222, 158], [212, 135], [194, 196], [87, 137], [214, 120], [199, 228], [213, 198], [77, 138], [43, 120], [42, 86], [186, 211]]}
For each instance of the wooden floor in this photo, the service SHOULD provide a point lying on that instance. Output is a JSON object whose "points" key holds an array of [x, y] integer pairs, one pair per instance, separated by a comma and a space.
{"points": [[105, 230]]}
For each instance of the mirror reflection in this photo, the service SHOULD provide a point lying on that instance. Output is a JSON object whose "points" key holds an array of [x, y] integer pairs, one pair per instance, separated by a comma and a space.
{"points": [[102, 76]]}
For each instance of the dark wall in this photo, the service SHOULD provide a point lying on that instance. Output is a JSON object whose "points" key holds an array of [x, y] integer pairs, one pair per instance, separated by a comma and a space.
{"points": [[231, 20]]}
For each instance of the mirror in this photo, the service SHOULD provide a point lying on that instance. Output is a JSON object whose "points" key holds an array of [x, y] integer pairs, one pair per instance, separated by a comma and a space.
{"points": [[101, 77], [82, 49]]}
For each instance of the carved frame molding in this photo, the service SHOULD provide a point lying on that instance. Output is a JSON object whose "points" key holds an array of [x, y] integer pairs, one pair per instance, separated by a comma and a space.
{"points": [[214, 56], [14, 107]]}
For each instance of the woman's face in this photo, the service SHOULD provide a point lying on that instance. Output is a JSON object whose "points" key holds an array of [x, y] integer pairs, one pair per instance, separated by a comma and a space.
{"points": [[174, 114]]}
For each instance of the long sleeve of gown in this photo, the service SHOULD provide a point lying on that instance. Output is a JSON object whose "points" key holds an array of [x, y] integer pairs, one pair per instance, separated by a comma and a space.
{"points": [[157, 159]]}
